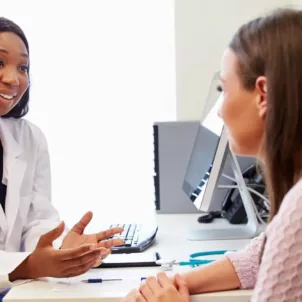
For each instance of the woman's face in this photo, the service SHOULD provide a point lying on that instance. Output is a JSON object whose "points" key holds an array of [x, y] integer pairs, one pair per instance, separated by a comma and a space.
{"points": [[14, 63], [243, 111]]}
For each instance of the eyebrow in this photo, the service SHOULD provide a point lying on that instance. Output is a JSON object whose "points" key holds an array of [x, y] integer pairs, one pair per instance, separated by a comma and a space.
{"points": [[6, 52]]}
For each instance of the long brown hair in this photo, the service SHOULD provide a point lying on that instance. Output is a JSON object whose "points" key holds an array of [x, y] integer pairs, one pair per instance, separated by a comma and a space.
{"points": [[271, 46]]}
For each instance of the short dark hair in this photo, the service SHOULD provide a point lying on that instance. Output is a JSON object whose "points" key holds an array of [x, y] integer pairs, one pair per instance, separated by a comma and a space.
{"points": [[21, 108]]}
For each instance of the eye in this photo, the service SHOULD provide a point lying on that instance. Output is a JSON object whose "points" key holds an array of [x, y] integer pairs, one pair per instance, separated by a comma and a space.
{"points": [[24, 68], [1, 63], [219, 88]]}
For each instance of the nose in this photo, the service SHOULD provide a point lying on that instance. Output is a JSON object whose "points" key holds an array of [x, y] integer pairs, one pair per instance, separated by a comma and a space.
{"points": [[10, 77]]}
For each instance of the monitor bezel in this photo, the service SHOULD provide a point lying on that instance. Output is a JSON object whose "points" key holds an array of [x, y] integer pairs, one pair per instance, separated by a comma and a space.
{"points": [[203, 201]]}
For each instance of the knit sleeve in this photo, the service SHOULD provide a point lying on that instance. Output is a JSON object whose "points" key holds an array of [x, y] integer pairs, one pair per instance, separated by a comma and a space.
{"points": [[280, 274], [246, 262]]}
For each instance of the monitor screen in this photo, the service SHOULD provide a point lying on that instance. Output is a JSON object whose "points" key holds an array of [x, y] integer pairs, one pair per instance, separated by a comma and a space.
{"points": [[204, 150]]}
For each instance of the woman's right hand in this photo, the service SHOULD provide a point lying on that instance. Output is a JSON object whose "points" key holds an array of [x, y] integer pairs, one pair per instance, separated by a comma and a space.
{"points": [[45, 261], [162, 289]]}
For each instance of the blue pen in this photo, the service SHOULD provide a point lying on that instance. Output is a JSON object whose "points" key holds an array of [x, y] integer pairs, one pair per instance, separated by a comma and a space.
{"points": [[100, 280]]}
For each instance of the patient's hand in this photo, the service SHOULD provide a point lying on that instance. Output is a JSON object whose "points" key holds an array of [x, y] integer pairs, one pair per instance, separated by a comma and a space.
{"points": [[160, 290]]}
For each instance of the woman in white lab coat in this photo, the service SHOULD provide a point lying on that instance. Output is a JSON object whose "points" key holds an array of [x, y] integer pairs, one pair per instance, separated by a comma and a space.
{"points": [[28, 222]]}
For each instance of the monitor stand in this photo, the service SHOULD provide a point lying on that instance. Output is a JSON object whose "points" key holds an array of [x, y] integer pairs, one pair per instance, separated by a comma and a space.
{"points": [[223, 229]]}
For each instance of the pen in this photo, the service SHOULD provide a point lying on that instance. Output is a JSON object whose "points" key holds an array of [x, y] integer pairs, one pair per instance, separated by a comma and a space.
{"points": [[99, 280]]}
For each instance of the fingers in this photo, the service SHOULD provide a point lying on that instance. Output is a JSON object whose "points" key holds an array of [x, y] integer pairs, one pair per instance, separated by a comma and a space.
{"points": [[73, 253], [163, 280], [108, 233], [139, 297], [81, 225], [146, 291], [134, 296], [98, 262], [79, 270], [110, 243], [181, 285], [153, 284], [48, 238], [104, 252], [83, 259]]}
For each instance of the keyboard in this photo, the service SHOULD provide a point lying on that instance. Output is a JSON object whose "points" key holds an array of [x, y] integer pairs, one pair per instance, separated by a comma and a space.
{"points": [[137, 238]]}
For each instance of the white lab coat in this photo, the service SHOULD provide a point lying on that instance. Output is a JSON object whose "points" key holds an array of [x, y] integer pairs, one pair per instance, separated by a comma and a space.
{"points": [[29, 212]]}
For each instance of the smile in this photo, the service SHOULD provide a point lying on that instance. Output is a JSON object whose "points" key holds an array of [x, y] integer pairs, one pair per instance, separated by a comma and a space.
{"points": [[7, 97]]}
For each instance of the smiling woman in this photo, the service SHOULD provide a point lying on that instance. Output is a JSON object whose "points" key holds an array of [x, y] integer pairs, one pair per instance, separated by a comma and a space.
{"points": [[27, 217], [14, 68], [13, 71]]}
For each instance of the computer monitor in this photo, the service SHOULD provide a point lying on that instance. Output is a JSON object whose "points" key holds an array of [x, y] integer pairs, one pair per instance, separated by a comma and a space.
{"points": [[208, 154], [204, 179], [207, 160]]}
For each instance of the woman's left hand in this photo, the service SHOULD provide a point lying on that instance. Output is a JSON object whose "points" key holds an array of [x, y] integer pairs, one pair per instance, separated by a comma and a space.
{"points": [[76, 237], [161, 289]]}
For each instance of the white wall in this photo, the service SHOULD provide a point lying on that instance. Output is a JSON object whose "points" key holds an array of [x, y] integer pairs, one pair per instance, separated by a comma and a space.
{"points": [[102, 72], [203, 30]]}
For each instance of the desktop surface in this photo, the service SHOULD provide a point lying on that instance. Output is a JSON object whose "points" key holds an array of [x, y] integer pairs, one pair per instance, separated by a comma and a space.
{"points": [[171, 242]]}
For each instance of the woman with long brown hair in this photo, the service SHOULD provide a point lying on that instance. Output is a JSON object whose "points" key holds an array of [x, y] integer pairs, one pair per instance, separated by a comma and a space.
{"points": [[261, 82]]}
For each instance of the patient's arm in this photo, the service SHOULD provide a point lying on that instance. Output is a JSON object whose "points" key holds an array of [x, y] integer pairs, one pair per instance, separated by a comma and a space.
{"points": [[217, 276], [235, 270]]}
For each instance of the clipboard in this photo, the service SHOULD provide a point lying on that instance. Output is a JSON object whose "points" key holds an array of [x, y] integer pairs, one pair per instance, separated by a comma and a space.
{"points": [[144, 259]]}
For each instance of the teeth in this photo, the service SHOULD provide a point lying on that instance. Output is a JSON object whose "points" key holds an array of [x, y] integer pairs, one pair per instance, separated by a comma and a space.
{"points": [[8, 97]]}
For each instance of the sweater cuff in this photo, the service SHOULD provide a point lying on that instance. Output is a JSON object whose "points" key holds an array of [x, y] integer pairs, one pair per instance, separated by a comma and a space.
{"points": [[244, 268]]}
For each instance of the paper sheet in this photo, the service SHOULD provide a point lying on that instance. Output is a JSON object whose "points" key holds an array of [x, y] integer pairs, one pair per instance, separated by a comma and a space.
{"points": [[123, 286], [131, 279], [130, 258]]}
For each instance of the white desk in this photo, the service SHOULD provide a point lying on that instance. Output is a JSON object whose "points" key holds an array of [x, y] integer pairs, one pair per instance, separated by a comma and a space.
{"points": [[171, 242]]}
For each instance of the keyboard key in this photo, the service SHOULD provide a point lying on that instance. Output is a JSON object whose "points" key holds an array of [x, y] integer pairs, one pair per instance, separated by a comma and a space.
{"points": [[131, 230], [128, 242], [135, 239], [121, 237], [126, 229], [121, 245], [113, 226]]}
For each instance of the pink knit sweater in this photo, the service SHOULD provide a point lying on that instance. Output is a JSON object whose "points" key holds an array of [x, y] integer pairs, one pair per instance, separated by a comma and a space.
{"points": [[272, 262]]}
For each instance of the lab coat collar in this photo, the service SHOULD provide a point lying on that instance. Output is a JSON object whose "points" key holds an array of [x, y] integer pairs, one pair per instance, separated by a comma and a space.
{"points": [[13, 172], [10, 147]]}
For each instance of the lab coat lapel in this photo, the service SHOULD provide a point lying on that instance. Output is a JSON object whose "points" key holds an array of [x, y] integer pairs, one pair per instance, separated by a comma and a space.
{"points": [[13, 173], [16, 170]]}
